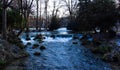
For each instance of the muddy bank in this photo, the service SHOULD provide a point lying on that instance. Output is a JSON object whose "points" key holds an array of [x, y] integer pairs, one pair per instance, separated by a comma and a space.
{"points": [[107, 50]]}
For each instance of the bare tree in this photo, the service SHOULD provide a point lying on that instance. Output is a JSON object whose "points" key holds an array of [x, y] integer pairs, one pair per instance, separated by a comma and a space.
{"points": [[24, 7], [5, 4], [56, 7], [54, 23], [46, 14], [71, 7], [40, 14], [37, 15]]}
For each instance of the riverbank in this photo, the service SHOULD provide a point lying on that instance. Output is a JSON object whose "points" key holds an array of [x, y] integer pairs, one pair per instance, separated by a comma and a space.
{"points": [[10, 52], [107, 50]]}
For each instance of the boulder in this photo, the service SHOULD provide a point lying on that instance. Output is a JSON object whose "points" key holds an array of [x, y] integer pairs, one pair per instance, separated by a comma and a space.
{"points": [[42, 48], [28, 38], [35, 46], [29, 43], [37, 53], [75, 42], [53, 36], [75, 37], [39, 36]]}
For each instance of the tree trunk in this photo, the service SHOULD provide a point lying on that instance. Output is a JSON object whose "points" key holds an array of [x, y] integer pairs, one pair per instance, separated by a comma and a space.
{"points": [[37, 16], [4, 24]]}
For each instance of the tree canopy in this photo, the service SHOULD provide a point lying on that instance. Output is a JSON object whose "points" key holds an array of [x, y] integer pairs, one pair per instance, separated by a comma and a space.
{"points": [[94, 14]]}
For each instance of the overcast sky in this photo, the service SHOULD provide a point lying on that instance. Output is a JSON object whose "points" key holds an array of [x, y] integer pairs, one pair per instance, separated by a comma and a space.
{"points": [[62, 10]]}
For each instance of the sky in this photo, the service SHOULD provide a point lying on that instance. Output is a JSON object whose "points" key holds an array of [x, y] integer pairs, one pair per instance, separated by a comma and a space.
{"points": [[62, 10]]}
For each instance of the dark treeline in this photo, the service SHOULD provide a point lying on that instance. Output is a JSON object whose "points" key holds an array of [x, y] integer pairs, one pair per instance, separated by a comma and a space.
{"points": [[95, 14]]}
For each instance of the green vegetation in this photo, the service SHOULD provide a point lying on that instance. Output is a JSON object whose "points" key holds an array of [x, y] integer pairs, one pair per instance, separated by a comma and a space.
{"points": [[13, 20]]}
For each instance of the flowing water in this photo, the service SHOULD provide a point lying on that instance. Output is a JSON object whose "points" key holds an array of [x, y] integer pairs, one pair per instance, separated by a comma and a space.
{"points": [[60, 54]]}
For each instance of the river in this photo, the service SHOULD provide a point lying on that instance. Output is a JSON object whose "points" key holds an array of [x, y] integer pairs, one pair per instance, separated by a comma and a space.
{"points": [[60, 54]]}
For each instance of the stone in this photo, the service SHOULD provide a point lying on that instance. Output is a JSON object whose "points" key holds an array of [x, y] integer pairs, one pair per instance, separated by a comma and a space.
{"points": [[28, 38], [42, 48], [75, 37], [37, 53], [29, 43], [53, 36], [35, 46], [75, 42], [38, 37]]}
